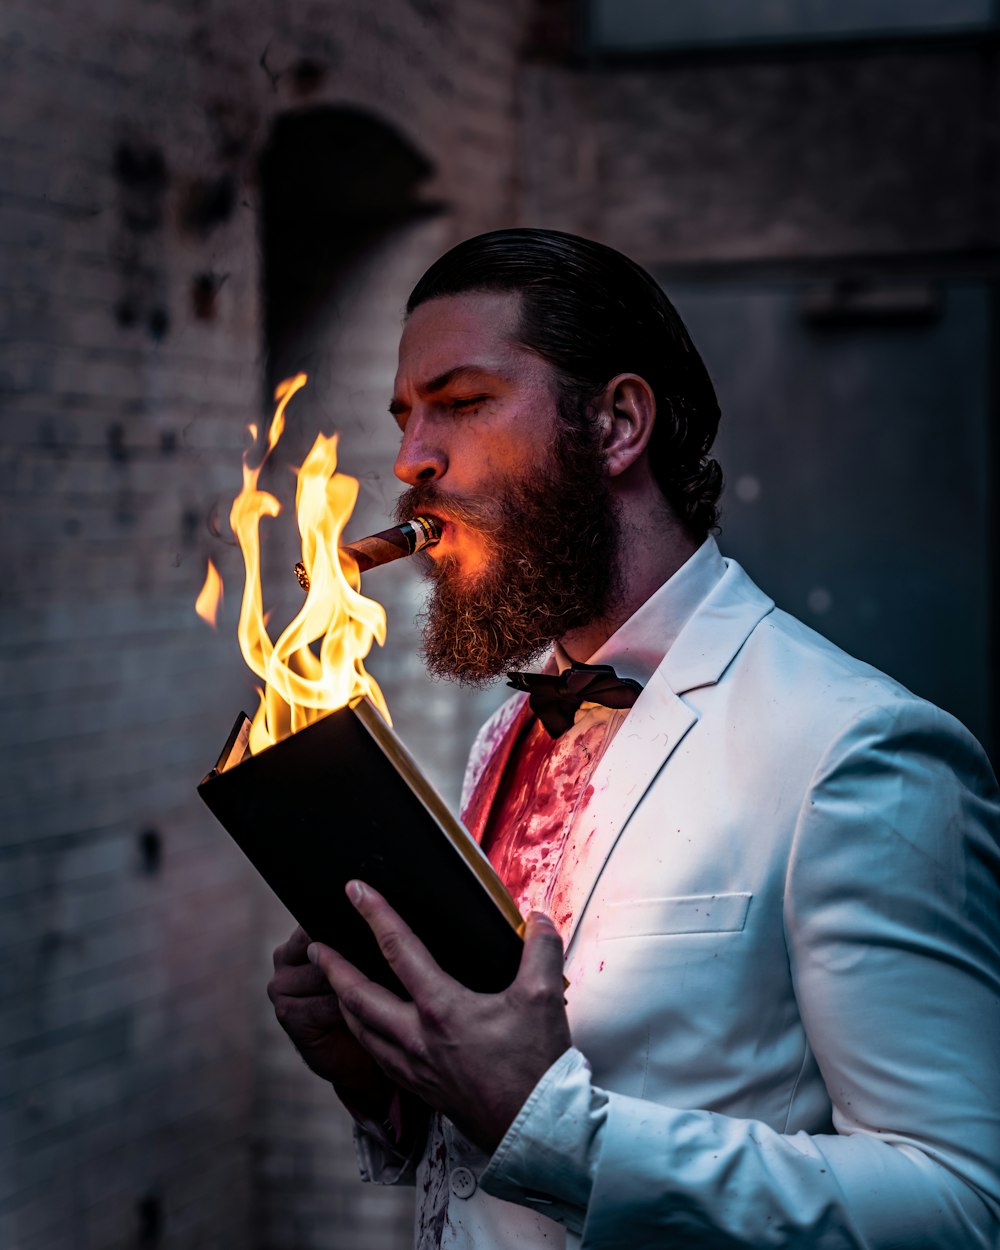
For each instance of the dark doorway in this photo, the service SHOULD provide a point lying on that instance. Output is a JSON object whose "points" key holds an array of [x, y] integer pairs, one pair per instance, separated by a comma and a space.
{"points": [[335, 181]]}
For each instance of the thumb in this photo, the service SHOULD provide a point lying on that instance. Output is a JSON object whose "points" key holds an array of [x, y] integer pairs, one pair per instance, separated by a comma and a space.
{"points": [[542, 962]]}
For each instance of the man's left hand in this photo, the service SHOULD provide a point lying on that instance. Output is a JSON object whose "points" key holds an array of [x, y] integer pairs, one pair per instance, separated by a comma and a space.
{"points": [[473, 1057]]}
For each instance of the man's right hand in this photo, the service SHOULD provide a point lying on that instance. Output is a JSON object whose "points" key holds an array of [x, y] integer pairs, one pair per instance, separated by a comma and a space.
{"points": [[308, 1011]]}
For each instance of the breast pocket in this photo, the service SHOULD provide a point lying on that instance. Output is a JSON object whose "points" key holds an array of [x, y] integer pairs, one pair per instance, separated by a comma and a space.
{"points": [[680, 914], [660, 986]]}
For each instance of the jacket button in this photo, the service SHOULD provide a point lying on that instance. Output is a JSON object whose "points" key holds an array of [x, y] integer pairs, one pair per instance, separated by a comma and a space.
{"points": [[463, 1183]]}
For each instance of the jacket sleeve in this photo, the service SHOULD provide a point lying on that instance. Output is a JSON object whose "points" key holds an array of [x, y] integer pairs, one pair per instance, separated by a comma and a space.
{"points": [[892, 923]]}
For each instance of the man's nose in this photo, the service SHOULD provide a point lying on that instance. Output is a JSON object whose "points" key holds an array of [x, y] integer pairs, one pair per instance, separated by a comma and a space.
{"points": [[421, 457]]}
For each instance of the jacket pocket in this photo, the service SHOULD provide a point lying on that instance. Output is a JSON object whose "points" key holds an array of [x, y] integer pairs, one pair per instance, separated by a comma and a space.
{"points": [[689, 913]]}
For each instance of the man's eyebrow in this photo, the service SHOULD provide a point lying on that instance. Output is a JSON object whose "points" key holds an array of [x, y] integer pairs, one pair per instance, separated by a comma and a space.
{"points": [[442, 380]]}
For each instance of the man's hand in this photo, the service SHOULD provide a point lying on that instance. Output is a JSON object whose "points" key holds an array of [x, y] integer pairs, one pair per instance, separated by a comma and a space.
{"points": [[307, 1010], [473, 1057]]}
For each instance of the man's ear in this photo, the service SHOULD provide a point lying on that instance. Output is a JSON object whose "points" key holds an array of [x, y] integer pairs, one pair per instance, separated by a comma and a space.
{"points": [[625, 412]]}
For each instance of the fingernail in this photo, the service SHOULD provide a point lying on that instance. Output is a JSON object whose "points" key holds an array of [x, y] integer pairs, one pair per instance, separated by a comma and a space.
{"points": [[355, 892], [539, 917], [312, 952]]}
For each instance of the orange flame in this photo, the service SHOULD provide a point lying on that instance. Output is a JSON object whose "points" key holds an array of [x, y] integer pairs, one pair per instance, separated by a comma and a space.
{"points": [[303, 681], [210, 596]]}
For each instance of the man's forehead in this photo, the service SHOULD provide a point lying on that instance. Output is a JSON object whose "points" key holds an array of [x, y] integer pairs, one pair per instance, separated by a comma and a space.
{"points": [[475, 329]]}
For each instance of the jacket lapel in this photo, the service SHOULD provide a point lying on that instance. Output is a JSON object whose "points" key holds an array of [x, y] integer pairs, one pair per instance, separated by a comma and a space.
{"points": [[653, 729]]}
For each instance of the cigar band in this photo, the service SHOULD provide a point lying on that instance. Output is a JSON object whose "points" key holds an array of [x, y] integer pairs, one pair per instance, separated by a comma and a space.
{"points": [[420, 532]]}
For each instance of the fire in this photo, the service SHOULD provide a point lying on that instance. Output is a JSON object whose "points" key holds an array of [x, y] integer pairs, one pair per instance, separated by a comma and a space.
{"points": [[316, 665], [210, 596]]}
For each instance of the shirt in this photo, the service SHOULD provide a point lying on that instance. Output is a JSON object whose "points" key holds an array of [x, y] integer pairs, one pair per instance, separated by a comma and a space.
{"points": [[546, 781], [543, 786]]}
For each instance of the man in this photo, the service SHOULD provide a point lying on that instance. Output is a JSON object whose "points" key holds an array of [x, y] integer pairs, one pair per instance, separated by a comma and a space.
{"points": [[774, 871]]}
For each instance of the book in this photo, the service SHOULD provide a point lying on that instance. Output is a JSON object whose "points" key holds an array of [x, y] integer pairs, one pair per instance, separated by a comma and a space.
{"points": [[343, 799]]}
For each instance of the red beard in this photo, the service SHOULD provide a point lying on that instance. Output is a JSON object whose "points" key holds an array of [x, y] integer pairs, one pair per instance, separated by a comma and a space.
{"points": [[552, 543]]}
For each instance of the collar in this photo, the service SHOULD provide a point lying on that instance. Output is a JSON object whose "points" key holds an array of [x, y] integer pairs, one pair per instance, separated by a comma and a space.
{"points": [[637, 648]]}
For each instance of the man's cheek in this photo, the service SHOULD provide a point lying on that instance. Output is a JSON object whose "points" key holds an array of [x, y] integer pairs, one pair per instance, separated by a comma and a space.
{"points": [[466, 559]]}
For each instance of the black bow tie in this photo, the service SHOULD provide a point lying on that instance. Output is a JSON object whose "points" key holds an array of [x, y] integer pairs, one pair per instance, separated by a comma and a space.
{"points": [[555, 697]]}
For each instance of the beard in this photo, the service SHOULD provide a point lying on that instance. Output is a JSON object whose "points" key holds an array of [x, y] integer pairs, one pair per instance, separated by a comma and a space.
{"points": [[551, 563]]}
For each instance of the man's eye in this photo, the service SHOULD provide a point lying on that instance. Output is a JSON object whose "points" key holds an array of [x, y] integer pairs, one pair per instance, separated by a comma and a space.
{"points": [[460, 405]]}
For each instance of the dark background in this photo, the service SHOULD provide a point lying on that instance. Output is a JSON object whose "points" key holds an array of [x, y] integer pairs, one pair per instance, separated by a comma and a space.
{"points": [[198, 197]]}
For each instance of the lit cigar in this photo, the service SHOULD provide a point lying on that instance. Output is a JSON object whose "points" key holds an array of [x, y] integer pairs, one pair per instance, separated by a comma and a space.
{"points": [[401, 540]]}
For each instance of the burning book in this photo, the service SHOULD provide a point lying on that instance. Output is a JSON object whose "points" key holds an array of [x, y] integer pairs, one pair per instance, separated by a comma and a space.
{"points": [[316, 789]]}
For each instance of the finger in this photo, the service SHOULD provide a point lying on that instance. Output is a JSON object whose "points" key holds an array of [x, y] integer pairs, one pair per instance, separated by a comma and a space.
{"points": [[293, 951], [299, 981], [398, 1050], [320, 1015], [405, 954], [373, 1008], [393, 1059], [541, 969]]}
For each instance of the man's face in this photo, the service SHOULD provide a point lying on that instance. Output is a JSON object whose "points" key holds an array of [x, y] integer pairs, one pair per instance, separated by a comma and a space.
{"points": [[475, 409], [529, 526]]}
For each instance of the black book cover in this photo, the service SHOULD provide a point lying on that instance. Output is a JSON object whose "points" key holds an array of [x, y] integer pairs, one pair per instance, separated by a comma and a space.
{"points": [[342, 799]]}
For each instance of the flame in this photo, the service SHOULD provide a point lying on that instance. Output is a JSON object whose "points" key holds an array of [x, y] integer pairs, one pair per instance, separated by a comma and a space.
{"points": [[210, 596], [316, 665]]}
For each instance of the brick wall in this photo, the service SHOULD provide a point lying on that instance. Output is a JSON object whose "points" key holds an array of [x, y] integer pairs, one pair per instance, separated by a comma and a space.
{"points": [[769, 156], [147, 1098]]}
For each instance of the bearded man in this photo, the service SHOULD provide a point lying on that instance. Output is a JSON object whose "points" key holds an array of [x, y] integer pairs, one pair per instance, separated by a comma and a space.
{"points": [[773, 871]]}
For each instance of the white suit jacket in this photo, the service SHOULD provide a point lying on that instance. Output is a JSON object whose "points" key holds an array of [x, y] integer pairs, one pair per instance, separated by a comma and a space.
{"points": [[784, 969]]}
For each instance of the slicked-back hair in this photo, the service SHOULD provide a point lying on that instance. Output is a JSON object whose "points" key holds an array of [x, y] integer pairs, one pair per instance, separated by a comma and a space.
{"points": [[592, 314]]}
